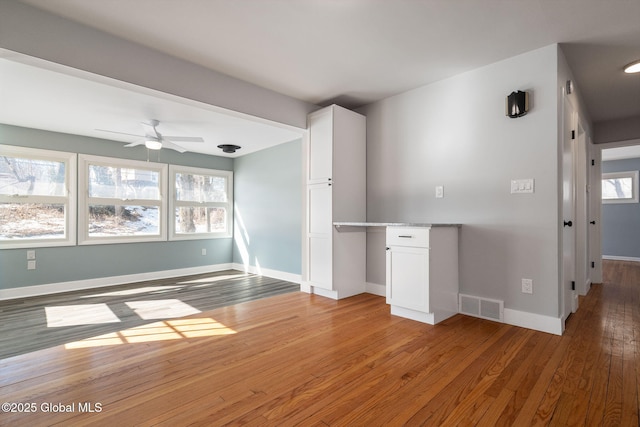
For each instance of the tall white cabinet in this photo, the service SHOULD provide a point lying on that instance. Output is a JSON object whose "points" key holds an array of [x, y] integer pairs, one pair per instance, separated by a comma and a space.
{"points": [[335, 262]]}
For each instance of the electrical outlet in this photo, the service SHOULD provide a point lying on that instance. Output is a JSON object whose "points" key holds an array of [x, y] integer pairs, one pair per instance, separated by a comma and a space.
{"points": [[31, 254], [439, 192], [31, 265], [204, 251], [527, 286]]}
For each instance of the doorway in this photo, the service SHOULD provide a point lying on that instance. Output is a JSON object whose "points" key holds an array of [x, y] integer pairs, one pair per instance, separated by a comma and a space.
{"points": [[620, 221]]}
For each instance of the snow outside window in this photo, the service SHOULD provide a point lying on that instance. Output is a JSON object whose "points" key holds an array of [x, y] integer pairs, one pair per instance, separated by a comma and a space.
{"points": [[37, 197], [121, 200], [201, 203], [620, 187]]}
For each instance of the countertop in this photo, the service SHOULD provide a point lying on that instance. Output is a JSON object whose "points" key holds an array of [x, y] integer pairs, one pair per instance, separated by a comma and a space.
{"points": [[391, 224]]}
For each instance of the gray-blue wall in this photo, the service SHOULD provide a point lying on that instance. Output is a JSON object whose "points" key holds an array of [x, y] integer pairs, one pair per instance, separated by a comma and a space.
{"points": [[70, 263], [268, 208], [621, 221]]}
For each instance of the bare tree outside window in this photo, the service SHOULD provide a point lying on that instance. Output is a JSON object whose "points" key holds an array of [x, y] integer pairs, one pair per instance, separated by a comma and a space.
{"points": [[34, 197], [200, 202]]}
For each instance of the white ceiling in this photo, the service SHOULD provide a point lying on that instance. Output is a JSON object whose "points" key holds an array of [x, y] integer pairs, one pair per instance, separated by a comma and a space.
{"points": [[48, 96], [354, 52]]}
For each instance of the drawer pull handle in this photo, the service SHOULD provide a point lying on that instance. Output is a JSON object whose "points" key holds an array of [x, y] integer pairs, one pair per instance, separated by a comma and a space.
{"points": [[406, 237]]}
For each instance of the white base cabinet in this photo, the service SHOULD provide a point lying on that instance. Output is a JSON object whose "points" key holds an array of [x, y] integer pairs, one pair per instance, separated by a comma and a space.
{"points": [[422, 272]]}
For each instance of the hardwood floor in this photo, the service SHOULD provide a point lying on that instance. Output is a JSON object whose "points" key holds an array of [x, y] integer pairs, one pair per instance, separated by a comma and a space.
{"points": [[298, 359], [36, 323]]}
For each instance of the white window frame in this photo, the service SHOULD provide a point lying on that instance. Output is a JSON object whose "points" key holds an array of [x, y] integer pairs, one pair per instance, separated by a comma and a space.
{"points": [[68, 200], [173, 203], [634, 186], [84, 200]]}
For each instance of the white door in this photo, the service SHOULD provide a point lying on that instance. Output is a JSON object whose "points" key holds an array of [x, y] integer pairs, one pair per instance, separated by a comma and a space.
{"points": [[595, 215], [581, 223], [568, 210]]}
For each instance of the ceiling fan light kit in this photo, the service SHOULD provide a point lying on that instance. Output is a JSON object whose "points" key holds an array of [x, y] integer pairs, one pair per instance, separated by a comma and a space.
{"points": [[634, 67], [153, 145], [229, 148]]}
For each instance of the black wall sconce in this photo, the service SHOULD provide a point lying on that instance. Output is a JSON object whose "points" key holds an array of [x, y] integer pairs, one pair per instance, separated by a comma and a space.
{"points": [[517, 104]]}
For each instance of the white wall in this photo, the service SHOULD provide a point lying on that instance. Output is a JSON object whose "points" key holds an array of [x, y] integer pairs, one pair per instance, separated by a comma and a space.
{"points": [[454, 133]]}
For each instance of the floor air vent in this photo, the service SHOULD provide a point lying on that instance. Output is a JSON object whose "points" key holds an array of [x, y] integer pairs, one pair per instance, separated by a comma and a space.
{"points": [[481, 307]]}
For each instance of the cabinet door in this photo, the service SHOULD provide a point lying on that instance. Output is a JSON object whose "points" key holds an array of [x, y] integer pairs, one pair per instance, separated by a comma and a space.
{"points": [[320, 146], [320, 209], [408, 277], [320, 262], [319, 236]]}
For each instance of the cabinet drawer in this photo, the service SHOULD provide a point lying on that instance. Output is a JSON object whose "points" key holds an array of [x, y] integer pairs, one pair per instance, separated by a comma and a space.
{"points": [[417, 237]]}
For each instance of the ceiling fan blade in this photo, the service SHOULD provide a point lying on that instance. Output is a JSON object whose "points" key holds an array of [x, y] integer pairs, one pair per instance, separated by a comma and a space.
{"points": [[120, 133], [183, 138], [172, 146], [135, 144]]}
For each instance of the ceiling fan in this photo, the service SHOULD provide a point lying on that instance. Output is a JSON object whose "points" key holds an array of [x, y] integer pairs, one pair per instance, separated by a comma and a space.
{"points": [[154, 140]]}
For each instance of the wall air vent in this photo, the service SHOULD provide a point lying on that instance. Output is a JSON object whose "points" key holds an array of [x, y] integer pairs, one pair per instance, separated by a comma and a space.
{"points": [[484, 308]]}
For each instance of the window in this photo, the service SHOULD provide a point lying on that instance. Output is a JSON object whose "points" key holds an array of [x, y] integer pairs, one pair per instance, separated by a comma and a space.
{"points": [[121, 200], [620, 187], [37, 197], [201, 203]]}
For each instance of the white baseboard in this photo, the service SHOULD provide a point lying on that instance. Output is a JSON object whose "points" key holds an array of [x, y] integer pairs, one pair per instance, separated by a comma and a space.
{"points": [[306, 288], [369, 288], [620, 258], [76, 285], [407, 313], [376, 289], [324, 292], [275, 274], [538, 322]]}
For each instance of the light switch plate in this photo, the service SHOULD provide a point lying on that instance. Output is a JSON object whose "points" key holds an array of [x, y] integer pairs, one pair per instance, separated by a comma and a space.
{"points": [[31, 254], [521, 186], [439, 192], [31, 265]]}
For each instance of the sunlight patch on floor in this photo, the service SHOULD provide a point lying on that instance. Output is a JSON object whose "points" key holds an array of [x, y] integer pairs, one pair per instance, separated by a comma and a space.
{"points": [[161, 309], [157, 331], [83, 314]]}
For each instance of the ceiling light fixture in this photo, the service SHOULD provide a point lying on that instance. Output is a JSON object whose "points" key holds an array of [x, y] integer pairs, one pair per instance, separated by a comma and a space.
{"points": [[229, 148], [153, 145], [634, 67]]}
